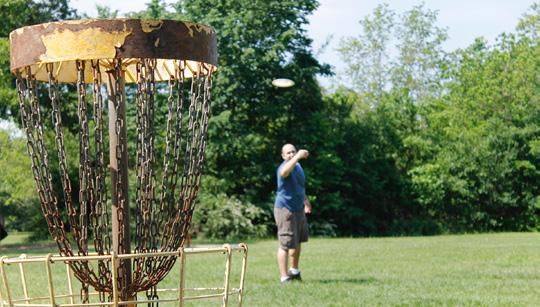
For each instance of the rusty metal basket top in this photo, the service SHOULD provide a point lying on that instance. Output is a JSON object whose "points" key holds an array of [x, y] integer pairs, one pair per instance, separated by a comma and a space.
{"points": [[63, 43]]}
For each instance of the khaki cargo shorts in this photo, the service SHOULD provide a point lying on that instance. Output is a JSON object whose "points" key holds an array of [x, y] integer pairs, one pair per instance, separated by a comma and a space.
{"points": [[292, 228]]}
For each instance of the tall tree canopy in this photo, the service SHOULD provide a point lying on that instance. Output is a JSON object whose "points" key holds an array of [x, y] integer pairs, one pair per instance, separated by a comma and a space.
{"points": [[458, 131]]}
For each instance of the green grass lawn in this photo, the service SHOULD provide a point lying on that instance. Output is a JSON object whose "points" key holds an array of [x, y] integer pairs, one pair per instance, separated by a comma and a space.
{"points": [[458, 270]]}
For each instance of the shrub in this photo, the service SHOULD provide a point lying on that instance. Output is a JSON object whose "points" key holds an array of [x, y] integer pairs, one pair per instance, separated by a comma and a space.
{"points": [[223, 217]]}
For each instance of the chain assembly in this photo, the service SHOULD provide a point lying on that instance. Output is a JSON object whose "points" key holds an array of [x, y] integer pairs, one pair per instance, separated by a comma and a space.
{"points": [[170, 139], [140, 116]]}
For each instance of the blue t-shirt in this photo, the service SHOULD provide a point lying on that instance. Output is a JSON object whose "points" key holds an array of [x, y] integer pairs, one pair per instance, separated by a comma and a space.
{"points": [[291, 190]]}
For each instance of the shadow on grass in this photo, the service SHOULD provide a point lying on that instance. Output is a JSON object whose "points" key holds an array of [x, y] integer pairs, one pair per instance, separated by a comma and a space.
{"points": [[369, 280]]}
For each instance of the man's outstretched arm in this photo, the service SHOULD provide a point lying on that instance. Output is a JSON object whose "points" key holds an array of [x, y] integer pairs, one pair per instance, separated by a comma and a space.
{"points": [[289, 165]]}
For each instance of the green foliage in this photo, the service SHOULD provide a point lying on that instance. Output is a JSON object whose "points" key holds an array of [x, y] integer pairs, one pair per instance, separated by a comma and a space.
{"points": [[18, 13], [395, 52], [8, 94], [258, 41], [453, 137], [19, 204], [484, 174], [155, 9], [227, 218], [106, 12]]}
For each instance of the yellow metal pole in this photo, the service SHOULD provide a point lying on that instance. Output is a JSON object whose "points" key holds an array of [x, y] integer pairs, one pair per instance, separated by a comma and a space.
{"points": [[49, 279], [4, 280], [228, 251], [181, 285], [243, 273], [114, 279], [23, 279], [70, 284]]}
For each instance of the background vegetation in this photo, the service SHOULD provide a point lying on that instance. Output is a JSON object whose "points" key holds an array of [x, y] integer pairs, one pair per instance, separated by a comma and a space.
{"points": [[410, 140]]}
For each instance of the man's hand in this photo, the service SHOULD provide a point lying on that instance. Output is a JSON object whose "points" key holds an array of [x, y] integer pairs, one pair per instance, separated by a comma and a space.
{"points": [[307, 206], [290, 164], [302, 154]]}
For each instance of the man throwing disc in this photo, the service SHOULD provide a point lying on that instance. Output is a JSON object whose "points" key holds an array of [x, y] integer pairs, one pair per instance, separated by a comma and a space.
{"points": [[290, 211]]}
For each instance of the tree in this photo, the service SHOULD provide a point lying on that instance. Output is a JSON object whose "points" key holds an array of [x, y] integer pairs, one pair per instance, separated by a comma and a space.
{"points": [[19, 205], [401, 53], [420, 62], [395, 68], [155, 9], [367, 56], [454, 136], [484, 174], [106, 12], [259, 41], [15, 14]]}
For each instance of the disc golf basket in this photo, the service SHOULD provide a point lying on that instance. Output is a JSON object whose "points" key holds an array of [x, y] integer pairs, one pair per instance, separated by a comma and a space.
{"points": [[103, 63]]}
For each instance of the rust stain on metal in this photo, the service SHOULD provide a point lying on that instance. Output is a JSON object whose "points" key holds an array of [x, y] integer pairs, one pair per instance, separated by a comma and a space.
{"points": [[88, 43], [198, 27], [151, 25], [107, 39]]}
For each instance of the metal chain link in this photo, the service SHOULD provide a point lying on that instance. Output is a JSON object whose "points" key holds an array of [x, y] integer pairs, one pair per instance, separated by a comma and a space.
{"points": [[121, 194], [84, 293], [86, 175], [27, 92], [164, 219], [80, 268], [102, 239]]}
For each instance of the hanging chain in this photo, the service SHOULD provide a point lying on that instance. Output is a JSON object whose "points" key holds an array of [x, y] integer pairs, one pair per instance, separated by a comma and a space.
{"points": [[163, 210], [137, 265], [100, 216], [32, 125], [151, 294], [86, 187], [84, 293], [80, 268], [59, 140], [120, 193], [171, 202], [151, 87], [169, 175], [147, 138]]}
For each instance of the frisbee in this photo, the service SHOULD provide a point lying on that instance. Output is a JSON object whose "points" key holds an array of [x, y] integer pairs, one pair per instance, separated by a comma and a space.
{"points": [[282, 82]]}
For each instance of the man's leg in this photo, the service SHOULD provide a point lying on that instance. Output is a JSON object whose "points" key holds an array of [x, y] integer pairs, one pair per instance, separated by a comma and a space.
{"points": [[282, 262], [295, 256]]}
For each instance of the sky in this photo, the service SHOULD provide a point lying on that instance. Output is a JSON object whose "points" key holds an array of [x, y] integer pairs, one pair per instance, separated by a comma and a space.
{"points": [[464, 20]]}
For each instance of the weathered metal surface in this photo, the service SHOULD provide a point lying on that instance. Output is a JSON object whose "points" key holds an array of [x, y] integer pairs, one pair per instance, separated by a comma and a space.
{"points": [[62, 43]]}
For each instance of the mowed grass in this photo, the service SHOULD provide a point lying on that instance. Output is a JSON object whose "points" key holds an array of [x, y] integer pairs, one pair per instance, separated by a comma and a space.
{"points": [[458, 270]]}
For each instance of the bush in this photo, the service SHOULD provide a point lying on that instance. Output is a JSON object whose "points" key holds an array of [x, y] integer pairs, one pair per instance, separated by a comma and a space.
{"points": [[322, 229], [225, 218]]}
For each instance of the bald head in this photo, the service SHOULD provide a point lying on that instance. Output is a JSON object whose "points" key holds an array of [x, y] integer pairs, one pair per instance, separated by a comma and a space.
{"points": [[288, 151]]}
